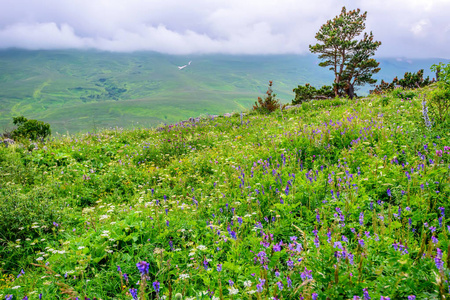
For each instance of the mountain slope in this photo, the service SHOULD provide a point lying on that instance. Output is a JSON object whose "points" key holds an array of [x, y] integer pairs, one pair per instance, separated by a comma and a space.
{"points": [[85, 90]]}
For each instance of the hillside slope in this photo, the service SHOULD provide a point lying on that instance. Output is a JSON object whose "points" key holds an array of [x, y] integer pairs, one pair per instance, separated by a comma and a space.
{"points": [[336, 198]]}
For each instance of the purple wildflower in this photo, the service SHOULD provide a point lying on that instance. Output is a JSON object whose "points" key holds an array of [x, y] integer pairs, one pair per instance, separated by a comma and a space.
{"points": [[143, 267], [438, 259], [350, 258], [277, 247], [259, 286], [366, 294], [290, 264], [316, 242], [434, 239], [306, 274], [134, 293], [289, 282], [442, 209], [361, 242], [156, 286], [338, 245]]}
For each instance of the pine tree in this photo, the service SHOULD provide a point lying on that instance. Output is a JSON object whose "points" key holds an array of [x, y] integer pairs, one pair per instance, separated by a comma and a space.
{"points": [[349, 58]]}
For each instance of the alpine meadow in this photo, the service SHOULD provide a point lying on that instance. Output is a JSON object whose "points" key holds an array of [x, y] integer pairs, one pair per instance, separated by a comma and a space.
{"points": [[145, 175]]}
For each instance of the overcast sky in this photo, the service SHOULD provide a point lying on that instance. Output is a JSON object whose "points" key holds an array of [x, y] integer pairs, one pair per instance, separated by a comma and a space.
{"points": [[406, 28]]}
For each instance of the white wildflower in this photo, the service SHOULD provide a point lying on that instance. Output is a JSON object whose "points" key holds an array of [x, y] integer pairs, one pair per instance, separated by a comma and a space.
{"points": [[233, 290], [247, 283]]}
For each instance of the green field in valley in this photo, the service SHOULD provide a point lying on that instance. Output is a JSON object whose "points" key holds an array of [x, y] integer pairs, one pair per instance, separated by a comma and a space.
{"points": [[88, 90]]}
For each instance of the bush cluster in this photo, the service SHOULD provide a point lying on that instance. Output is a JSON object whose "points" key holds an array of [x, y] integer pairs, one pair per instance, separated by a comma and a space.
{"points": [[308, 92], [30, 129], [409, 81]]}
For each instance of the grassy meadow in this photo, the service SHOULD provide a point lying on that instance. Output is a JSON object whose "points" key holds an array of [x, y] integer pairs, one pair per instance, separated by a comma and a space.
{"points": [[81, 91], [335, 199]]}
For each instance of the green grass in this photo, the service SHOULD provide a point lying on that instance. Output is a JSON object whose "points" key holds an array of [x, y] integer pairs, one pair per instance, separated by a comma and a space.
{"points": [[277, 198]]}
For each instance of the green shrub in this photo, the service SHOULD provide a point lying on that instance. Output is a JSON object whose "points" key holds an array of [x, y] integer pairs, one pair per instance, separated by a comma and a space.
{"points": [[19, 210], [303, 93], [403, 94], [30, 129], [414, 80], [308, 92], [439, 103], [443, 74], [385, 101], [409, 81]]}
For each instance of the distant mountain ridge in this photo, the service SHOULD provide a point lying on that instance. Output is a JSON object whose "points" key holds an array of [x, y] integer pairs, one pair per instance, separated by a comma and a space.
{"points": [[83, 90]]}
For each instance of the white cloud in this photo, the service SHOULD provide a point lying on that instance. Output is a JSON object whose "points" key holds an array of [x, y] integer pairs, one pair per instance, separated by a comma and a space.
{"points": [[419, 28], [405, 27]]}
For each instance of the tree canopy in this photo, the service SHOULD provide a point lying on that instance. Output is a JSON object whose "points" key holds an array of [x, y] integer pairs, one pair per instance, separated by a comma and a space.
{"points": [[349, 58]]}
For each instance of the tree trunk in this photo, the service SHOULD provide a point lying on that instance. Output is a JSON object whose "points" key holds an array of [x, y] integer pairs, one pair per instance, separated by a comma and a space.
{"points": [[336, 94], [351, 91]]}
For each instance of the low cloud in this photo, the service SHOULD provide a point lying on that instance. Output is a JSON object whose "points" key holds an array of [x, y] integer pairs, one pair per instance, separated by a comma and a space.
{"points": [[414, 28]]}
